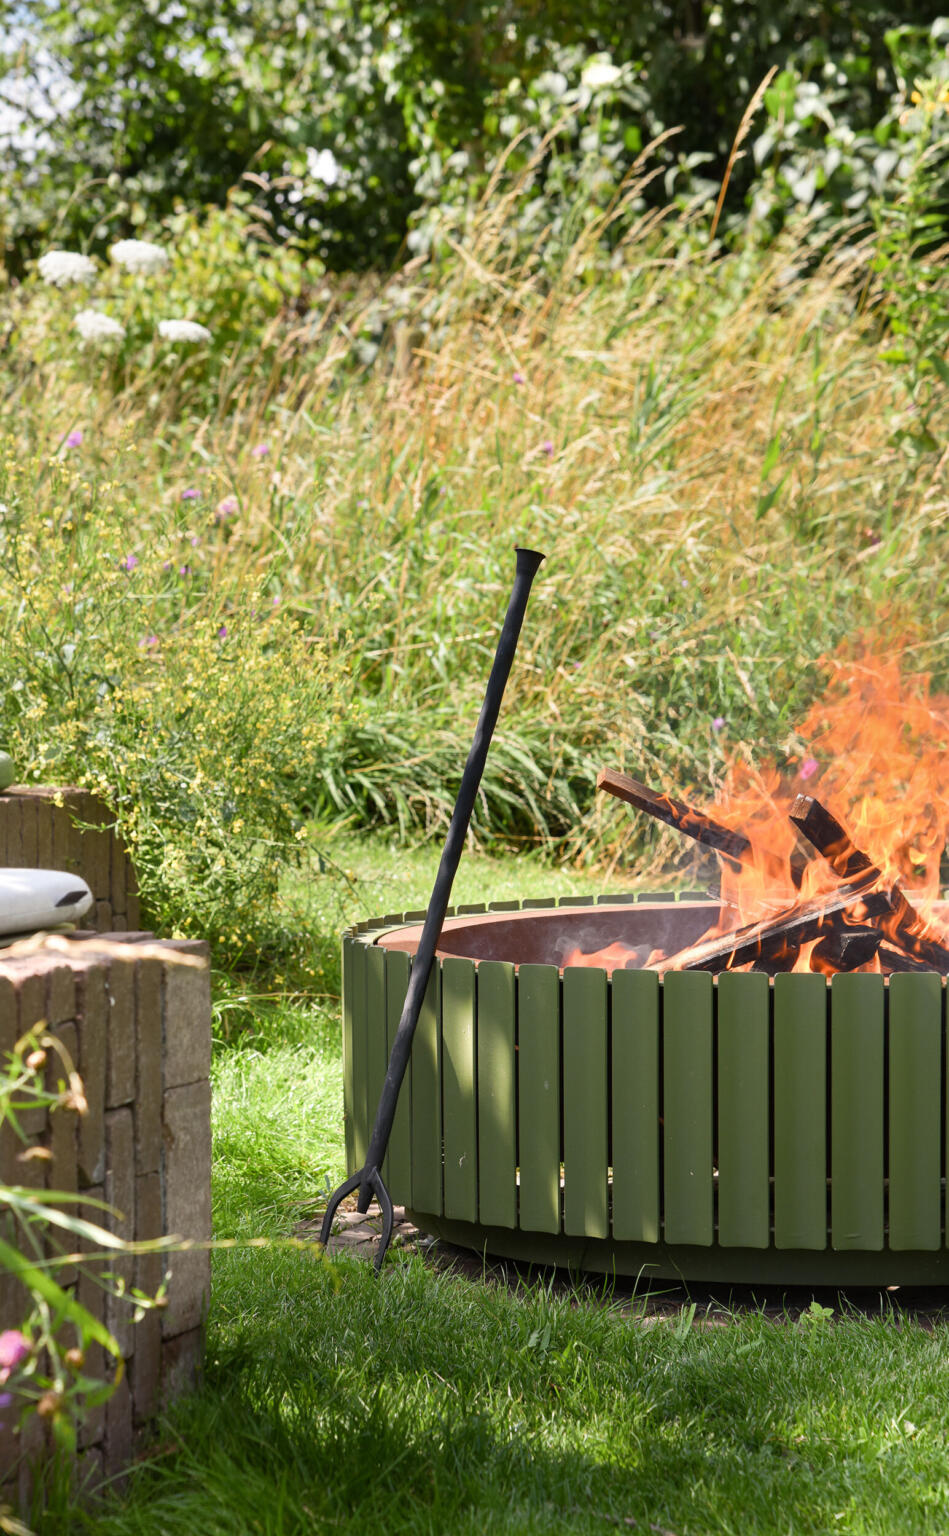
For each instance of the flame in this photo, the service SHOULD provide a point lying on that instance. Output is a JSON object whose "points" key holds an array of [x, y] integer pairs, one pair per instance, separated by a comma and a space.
{"points": [[874, 751]]}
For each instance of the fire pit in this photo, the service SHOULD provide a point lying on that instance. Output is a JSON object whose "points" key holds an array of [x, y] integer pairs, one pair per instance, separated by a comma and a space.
{"points": [[677, 1123]]}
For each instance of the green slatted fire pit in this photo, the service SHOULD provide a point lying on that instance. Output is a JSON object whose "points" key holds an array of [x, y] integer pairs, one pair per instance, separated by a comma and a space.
{"points": [[728, 1128]]}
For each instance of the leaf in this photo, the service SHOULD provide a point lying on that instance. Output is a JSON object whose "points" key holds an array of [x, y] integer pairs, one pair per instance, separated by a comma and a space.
{"points": [[772, 455], [56, 1297], [767, 501]]}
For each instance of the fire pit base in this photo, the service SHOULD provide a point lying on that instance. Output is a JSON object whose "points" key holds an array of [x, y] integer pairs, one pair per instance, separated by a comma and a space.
{"points": [[713, 1265], [731, 1128]]}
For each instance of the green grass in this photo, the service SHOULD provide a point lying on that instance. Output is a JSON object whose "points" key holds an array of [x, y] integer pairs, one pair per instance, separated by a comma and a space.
{"points": [[428, 1402]]}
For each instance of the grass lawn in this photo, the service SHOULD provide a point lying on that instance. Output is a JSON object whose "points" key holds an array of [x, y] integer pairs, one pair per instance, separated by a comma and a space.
{"points": [[429, 1402]]}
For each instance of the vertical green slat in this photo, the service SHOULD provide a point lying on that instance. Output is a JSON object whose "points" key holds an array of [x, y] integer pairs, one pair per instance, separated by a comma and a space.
{"points": [[915, 1108], [538, 1096], [635, 1034], [348, 1093], [497, 1177], [856, 1112], [427, 1102], [800, 1111], [744, 1219], [398, 1168], [378, 1056], [585, 1103], [687, 1107], [360, 1054], [459, 1107]]}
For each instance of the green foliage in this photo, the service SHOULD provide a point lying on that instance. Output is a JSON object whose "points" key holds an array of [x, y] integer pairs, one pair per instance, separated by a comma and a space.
{"points": [[38, 1241], [367, 122], [141, 659], [219, 271]]}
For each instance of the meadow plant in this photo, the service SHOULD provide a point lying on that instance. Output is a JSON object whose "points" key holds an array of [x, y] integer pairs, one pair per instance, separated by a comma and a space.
{"points": [[48, 1362]]}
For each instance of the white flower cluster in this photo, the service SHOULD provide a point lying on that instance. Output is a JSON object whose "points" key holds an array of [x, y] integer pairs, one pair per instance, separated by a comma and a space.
{"points": [[140, 256], [183, 330], [63, 267], [98, 328], [600, 74]]}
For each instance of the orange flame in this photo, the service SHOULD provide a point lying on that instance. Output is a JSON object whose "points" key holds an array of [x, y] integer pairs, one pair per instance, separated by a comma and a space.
{"points": [[877, 758]]}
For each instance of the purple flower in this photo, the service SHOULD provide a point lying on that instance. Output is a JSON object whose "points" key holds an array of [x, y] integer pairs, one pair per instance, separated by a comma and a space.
{"points": [[260, 451], [74, 439], [809, 767], [129, 563], [718, 722], [14, 1348], [222, 632], [548, 448], [193, 540], [149, 641], [166, 565], [190, 494], [518, 377], [225, 508], [184, 570]]}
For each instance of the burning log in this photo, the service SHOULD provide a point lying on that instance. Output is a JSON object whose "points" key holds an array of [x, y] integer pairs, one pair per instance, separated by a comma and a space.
{"points": [[734, 846], [675, 813], [903, 926], [771, 943]]}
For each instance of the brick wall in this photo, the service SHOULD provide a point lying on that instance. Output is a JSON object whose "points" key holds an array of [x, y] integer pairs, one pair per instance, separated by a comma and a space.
{"points": [[42, 828], [135, 1017]]}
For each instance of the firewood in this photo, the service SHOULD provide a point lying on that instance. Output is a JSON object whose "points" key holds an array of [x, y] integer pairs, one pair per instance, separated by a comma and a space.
{"points": [[902, 926], [675, 813], [849, 905]]}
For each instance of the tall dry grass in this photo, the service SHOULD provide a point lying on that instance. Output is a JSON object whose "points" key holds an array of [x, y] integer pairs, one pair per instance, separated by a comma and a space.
{"points": [[704, 445]]}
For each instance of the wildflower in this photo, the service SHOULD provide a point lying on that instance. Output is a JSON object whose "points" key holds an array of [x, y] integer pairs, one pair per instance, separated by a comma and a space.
{"points": [[14, 1348], [225, 508], [518, 377], [183, 330], [222, 632], [63, 267], [809, 767], [150, 641], [184, 570], [260, 451], [190, 494], [548, 448], [74, 440], [129, 563], [600, 75], [98, 328], [140, 256], [718, 722]]}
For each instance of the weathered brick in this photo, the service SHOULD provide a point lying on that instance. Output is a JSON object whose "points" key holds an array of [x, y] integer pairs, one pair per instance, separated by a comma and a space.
{"points": [[117, 1441], [117, 878], [120, 1058], [149, 1272], [29, 835], [6, 802], [45, 811], [148, 1085], [90, 1294], [187, 1024], [13, 840], [92, 1022], [90, 1470], [133, 910], [118, 923], [182, 1365], [120, 1194], [95, 845], [61, 1172], [60, 994], [103, 914], [187, 1183], [61, 839], [9, 1031]]}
